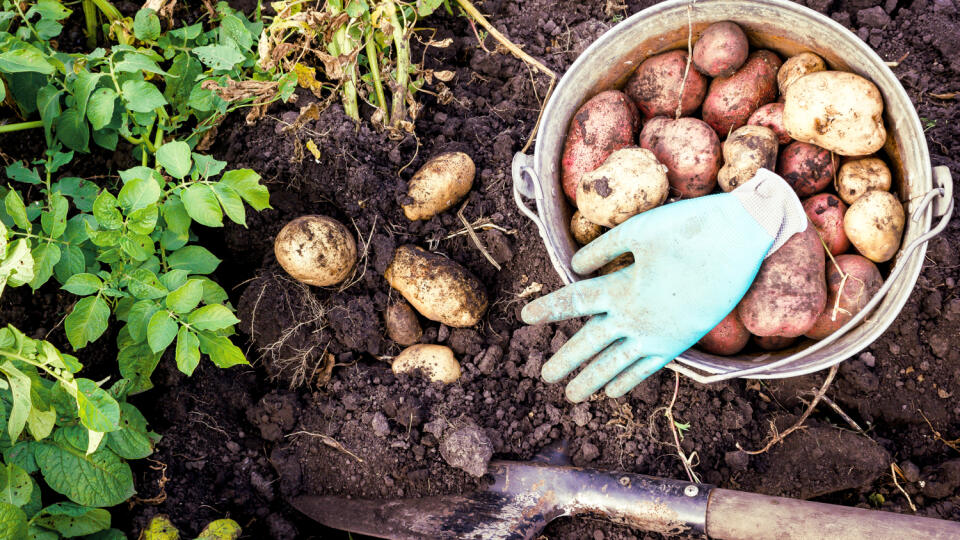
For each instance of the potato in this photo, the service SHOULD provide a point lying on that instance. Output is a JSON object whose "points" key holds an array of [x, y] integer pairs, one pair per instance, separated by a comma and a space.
{"points": [[790, 291], [436, 362], [441, 183], [728, 337], [620, 262], [745, 151], [874, 225], [437, 287], [859, 176], [773, 343], [629, 182], [584, 231], [825, 212], [846, 296], [317, 250], [402, 324], [689, 149], [721, 50], [731, 100], [607, 122], [798, 66], [839, 111], [655, 86], [806, 167], [771, 116]]}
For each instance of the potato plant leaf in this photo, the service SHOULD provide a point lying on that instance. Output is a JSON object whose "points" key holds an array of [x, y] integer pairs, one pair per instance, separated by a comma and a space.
{"points": [[71, 519], [100, 479], [87, 321]]}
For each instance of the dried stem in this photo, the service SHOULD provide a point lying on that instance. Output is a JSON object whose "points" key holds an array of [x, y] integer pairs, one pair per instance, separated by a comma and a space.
{"points": [[686, 70], [687, 461], [893, 473], [329, 441], [474, 237]]}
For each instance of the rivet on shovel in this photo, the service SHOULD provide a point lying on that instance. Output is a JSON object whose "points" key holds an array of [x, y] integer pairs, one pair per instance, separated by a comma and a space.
{"points": [[691, 491]]}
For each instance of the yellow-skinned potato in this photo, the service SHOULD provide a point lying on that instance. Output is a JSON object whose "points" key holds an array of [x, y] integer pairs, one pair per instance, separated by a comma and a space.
{"points": [[402, 324], [798, 66], [629, 182], [860, 176], [442, 182], [583, 230], [437, 287], [874, 225], [436, 362], [621, 262], [836, 110], [317, 250], [745, 151]]}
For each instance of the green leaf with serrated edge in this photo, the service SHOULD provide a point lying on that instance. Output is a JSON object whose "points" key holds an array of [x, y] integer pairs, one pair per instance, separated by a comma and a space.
{"points": [[72, 520], [219, 56], [161, 331], [202, 205], [193, 259], [13, 521], [174, 157], [134, 62], [82, 88], [231, 203], [174, 279], [247, 184], [146, 25], [25, 59], [221, 351], [106, 211], [139, 317], [142, 96], [98, 411], [144, 284], [18, 172], [144, 220], [72, 130], [54, 221], [87, 321], [205, 165], [45, 256], [138, 193], [133, 439], [100, 479], [137, 246], [186, 297], [13, 203], [221, 529], [100, 107], [83, 284], [15, 485], [137, 363], [20, 390], [188, 351], [213, 317]]}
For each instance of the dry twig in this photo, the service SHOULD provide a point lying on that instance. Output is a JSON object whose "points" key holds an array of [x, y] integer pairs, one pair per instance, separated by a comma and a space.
{"points": [[833, 405], [329, 441], [688, 462], [686, 70], [474, 237]]}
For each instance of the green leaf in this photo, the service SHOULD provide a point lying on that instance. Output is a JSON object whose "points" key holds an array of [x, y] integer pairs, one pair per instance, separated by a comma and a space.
{"points": [[135, 62], [231, 203], [72, 130], [188, 351], [17, 267], [106, 212], [219, 56], [142, 96], [138, 317], [45, 256], [137, 363], [139, 193], [83, 284], [54, 221], [161, 331], [146, 25], [186, 297], [3, 91], [174, 157], [356, 8], [71, 262], [222, 352], [221, 529], [205, 165], [25, 59], [18, 172], [185, 68], [214, 317], [71, 520], [97, 409], [132, 440], [41, 422], [20, 391], [100, 107], [174, 279], [87, 321], [143, 284], [247, 184], [144, 220], [21, 454], [15, 485], [138, 246], [16, 209], [193, 259], [233, 31], [160, 528], [140, 171], [100, 479], [83, 86], [13, 522], [202, 205], [175, 216]]}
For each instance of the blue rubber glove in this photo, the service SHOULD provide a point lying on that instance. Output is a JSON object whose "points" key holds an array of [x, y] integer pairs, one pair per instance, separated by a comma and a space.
{"points": [[694, 261]]}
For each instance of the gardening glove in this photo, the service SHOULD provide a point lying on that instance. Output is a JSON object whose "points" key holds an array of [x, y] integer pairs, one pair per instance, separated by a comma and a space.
{"points": [[693, 262]]}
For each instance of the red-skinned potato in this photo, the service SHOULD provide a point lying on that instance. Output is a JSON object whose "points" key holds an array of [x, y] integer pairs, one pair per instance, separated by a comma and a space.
{"points": [[771, 116], [773, 343], [655, 86], [806, 167], [846, 296], [689, 149], [790, 291], [731, 100], [721, 49], [728, 337], [606, 123], [825, 211]]}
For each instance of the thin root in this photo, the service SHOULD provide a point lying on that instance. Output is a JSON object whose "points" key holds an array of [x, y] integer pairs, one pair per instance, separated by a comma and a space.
{"points": [[329, 441], [893, 473]]}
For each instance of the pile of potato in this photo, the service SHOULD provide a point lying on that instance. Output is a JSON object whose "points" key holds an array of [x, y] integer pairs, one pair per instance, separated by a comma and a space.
{"points": [[674, 132]]}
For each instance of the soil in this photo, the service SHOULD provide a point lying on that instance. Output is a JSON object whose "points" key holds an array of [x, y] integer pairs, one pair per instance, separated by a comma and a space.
{"points": [[242, 442]]}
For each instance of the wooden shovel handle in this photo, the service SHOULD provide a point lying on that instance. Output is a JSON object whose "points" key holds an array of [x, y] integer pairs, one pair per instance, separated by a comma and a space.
{"points": [[735, 515]]}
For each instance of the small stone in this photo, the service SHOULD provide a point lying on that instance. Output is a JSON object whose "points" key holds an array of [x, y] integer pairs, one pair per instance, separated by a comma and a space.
{"points": [[435, 427], [233, 447], [598, 535], [737, 460], [381, 428], [940, 345], [488, 362], [580, 414], [868, 359], [590, 451], [874, 17], [467, 448], [910, 471], [443, 333], [889, 6]]}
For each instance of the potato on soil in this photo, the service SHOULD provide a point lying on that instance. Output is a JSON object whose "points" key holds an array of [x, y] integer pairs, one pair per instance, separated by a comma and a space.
{"points": [[790, 291], [746, 150], [806, 167], [584, 231], [689, 149], [859, 176], [731, 100], [437, 287], [629, 182], [655, 86], [825, 212], [441, 183], [874, 224], [771, 116], [436, 362], [317, 250], [606, 123], [798, 66], [773, 343], [847, 296], [721, 49], [728, 337], [836, 110], [402, 324]]}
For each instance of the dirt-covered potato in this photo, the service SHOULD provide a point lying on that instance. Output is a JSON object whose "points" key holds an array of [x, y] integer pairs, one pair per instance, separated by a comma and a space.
{"points": [[839, 111], [607, 122], [874, 224], [771, 116], [441, 183], [584, 231], [436, 362], [437, 287], [773, 343], [317, 250], [825, 212], [746, 150], [859, 176], [806, 167], [655, 85], [728, 337], [689, 149], [847, 295], [731, 100], [721, 50], [402, 324], [790, 291], [798, 66], [629, 182]]}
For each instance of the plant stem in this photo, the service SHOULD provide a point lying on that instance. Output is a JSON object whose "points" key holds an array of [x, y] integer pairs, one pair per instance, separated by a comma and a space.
{"points": [[21, 125], [375, 74], [341, 46], [110, 12], [403, 64], [90, 18]]}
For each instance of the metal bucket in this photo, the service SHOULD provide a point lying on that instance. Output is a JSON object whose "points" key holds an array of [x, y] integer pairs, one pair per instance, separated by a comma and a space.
{"points": [[788, 29]]}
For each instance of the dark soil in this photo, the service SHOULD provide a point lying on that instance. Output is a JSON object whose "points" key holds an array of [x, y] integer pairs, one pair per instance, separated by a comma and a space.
{"points": [[240, 442]]}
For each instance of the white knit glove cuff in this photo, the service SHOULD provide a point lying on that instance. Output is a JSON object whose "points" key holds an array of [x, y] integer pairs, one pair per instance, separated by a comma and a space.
{"points": [[774, 205]]}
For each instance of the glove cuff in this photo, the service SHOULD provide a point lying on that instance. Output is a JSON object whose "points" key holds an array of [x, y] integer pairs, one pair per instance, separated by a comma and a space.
{"points": [[774, 205]]}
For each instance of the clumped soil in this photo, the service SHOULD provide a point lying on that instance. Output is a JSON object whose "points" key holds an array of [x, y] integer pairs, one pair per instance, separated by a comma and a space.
{"points": [[241, 442]]}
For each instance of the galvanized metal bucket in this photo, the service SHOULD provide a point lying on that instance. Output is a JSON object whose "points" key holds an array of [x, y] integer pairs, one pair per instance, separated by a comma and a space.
{"points": [[789, 29]]}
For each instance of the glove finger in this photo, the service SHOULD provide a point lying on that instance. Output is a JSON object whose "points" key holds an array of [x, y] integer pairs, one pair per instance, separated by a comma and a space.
{"points": [[604, 367], [587, 297], [591, 339], [604, 249], [634, 375]]}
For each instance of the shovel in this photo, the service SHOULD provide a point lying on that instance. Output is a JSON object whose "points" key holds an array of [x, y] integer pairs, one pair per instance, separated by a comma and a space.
{"points": [[525, 496]]}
